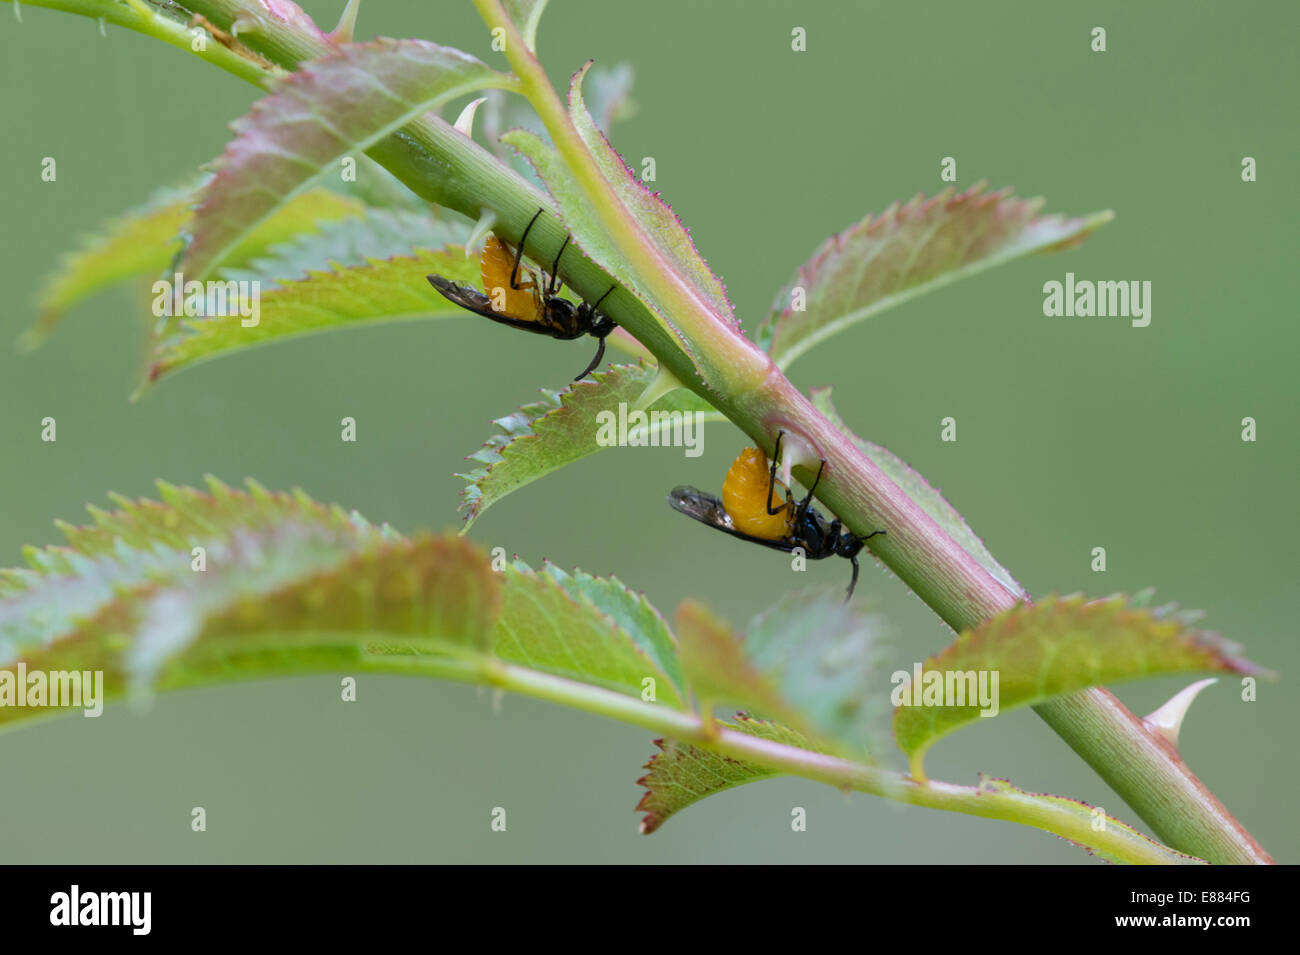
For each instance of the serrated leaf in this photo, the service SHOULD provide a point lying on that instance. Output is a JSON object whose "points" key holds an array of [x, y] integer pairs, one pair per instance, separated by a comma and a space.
{"points": [[671, 239], [581, 223], [379, 291], [375, 234], [593, 631], [145, 240], [327, 109], [525, 14], [811, 662], [682, 774], [659, 244], [609, 94], [631, 612], [1056, 646], [610, 99], [907, 250], [564, 427], [287, 585], [132, 572], [1086, 814], [919, 490], [378, 188]]}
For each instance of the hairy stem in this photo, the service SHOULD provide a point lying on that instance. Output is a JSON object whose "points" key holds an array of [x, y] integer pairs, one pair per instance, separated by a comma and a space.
{"points": [[445, 167]]}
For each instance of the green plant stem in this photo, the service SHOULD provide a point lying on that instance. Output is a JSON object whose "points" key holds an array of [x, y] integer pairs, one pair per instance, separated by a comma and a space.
{"points": [[443, 166], [1068, 822], [1152, 778], [709, 333], [138, 16]]}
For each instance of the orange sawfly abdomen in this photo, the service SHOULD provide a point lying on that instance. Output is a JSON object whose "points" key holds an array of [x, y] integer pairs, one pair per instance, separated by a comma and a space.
{"points": [[523, 299], [751, 509], [744, 495], [523, 303]]}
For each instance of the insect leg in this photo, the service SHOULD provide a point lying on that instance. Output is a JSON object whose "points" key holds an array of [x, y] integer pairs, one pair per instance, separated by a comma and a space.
{"points": [[803, 505], [853, 581], [519, 252], [596, 307], [555, 269], [771, 476]]}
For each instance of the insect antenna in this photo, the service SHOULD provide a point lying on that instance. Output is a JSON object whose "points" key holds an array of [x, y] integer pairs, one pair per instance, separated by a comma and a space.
{"points": [[600, 333], [600, 353]]}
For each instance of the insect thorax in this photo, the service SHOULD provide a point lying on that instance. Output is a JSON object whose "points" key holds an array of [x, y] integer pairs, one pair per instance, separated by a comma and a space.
{"points": [[565, 317]]}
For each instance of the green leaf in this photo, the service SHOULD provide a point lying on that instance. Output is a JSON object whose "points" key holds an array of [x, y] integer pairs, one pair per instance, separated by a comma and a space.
{"points": [[663, 246], [525, 14], [326, 110], [928, 498], [610, 89], [145, 240], [681, 774], [133, 572], [348, 243], [566, 426], [582, 224], [379, 291], [811, 662], [591, 630], [1033, 806], [1056, 646], [380, 189], [671, 240], [908, 250], [609, 94], [286, 585]]}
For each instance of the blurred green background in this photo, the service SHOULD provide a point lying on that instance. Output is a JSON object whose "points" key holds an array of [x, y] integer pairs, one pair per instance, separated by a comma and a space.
{"points": [[1072, 433]]}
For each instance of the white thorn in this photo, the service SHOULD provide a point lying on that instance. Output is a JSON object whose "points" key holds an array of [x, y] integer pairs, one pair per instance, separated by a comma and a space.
{"points": [[1168, 719], [498, 697], [663, 382], [103, 27], [465, 122], [480, 231], [347, 23], [243, 24], [795, 451], [18, 12]]}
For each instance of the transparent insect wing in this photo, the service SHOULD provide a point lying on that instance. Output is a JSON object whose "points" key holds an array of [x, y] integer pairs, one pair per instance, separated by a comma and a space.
{"points": [[702, 506]]}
